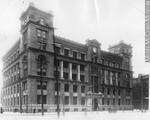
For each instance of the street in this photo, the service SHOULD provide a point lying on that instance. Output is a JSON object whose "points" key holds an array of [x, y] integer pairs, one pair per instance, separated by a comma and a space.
{"points": [[120, 115]]}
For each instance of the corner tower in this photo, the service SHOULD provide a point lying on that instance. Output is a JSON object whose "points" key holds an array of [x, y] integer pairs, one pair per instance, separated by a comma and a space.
{"points": [[37, 46], [37, 29], [125, 51]]}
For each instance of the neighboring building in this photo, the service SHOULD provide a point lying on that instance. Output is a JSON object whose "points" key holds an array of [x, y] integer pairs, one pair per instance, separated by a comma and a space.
{"points": [[89, 77], [141, 92]]}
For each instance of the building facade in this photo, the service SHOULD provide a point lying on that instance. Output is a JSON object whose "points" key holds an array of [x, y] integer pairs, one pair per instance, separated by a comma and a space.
{"points": [[141, 92], [89, 78]]}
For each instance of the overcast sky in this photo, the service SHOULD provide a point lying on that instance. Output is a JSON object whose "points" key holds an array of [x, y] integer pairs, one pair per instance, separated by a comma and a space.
{"points": [[108, 21]]}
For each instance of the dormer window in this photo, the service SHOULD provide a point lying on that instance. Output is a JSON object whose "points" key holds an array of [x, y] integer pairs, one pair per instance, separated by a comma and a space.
{"points": [[66, 52], [82, 56], [75, 54]]}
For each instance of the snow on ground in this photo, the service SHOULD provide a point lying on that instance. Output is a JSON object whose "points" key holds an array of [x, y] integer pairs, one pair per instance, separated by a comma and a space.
{"points": [[120, 115]]}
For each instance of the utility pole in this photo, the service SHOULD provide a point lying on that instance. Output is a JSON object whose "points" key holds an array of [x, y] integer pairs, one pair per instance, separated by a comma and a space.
{"points": [[20, 89], [56, 75], [41, 83]]}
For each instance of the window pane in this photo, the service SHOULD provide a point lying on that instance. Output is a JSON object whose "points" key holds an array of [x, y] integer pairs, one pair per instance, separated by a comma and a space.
{"points": [[66, 88], [82, 89], [82, 56], [82, 67], [66, 101], [74, 77], [83, 101], [66, 52], [74, 54], [75, 88], [74, 100], [82, 78]]}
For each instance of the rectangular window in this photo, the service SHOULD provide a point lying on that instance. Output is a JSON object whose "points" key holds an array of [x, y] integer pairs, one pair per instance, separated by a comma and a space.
{"points": [[66, 89], [103, 101], [14, 89], [17, 88], [57, 50], [103, 61], [74, 54], [39, 99], [82, 89], [108, 91], [41, 33], [82, 78], [108, 101], [75, 88], [82, 56], [56, 87], [56, 99], [24, 85], [114, 92], [74, 66], [66, 52], [114, 101], [57, 74], [42, 45], [81, 67], [65, 75], [74, 77], [44, 84], [74, 100], [65, 64], [82, 100], [17, 100], [119, 92], [66, 101], [119, 101]]}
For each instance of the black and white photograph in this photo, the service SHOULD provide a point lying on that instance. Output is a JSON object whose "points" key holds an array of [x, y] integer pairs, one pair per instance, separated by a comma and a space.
{"points": [[74, 59]]}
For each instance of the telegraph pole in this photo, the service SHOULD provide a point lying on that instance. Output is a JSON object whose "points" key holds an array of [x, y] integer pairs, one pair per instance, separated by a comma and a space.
{"points": [[56, 75], [41, 83], [20, 90]]}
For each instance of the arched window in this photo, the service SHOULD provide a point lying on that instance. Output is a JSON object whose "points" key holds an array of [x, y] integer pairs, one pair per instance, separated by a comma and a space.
{"points": [[41, 65]]}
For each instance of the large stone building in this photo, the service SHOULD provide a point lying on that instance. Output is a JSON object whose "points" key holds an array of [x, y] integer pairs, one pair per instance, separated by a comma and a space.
{"points": [[89, 78], [141, 92]]}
